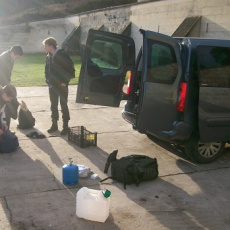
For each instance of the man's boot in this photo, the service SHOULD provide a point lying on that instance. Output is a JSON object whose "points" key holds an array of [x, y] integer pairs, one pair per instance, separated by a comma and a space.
{"points": [[54, 127], [65, 129]]}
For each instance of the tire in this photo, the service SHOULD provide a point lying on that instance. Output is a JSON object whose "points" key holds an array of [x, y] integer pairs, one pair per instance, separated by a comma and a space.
{"points": [[203, 152]]}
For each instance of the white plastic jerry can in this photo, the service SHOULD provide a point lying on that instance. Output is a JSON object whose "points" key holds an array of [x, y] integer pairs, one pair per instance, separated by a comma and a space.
{"points": [[93, 204]]}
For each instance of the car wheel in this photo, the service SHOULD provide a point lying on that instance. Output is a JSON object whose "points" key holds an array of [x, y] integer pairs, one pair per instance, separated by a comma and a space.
{"points": [[203, 152]]}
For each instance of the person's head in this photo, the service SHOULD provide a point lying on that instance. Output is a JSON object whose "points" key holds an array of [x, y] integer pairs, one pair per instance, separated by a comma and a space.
{"points": [[50, 45], [16, 52], [9, 93]]}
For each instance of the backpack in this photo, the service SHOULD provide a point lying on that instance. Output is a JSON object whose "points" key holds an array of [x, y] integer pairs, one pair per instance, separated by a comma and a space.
{"points": [[131, 169], [67, 64], [8, 142], [25, 119]]}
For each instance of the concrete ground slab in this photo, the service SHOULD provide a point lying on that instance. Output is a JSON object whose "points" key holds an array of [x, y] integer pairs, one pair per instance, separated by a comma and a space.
{"points": [[185, 196]]}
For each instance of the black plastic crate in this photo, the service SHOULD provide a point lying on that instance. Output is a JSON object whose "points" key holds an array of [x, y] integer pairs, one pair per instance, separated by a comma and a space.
{"points": [[81, 137]]}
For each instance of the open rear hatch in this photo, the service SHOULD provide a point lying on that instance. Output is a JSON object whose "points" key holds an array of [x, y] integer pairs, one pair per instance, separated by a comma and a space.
{"points": [[107, 59]]}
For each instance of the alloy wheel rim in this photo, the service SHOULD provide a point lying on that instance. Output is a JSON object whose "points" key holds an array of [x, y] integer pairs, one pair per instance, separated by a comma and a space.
{"points": [[208, 150]]}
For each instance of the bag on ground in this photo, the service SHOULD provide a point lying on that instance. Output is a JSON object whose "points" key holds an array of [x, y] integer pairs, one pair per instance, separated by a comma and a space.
{"points": [[25, 117], [131, 169], [8, 142]]}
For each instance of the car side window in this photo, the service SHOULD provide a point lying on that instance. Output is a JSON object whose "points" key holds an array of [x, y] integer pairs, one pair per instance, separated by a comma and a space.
{"points": [[106, 55], [162, 63], [214, 66]]}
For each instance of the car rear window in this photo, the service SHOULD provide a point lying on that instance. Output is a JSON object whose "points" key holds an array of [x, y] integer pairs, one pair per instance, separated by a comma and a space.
{"points": [[214, 66], [106, 55], [162, 63]]}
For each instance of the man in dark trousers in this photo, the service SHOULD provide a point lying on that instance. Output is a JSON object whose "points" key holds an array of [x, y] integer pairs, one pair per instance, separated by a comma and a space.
{"points": [[7, 59], [57, 72]]}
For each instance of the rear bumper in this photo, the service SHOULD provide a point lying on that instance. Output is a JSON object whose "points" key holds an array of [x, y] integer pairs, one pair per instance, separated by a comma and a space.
{"points": [[180, 132], [129, 117], [128, 113]]}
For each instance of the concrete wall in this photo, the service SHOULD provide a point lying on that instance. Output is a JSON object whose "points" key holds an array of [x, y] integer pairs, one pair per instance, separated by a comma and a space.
{"points": [[31, 35], [113, 20], [161, 16], [166, 16]]}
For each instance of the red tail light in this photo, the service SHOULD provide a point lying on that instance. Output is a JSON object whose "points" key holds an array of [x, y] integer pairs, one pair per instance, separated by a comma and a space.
{"points": [[128, 89], [182, 96]]}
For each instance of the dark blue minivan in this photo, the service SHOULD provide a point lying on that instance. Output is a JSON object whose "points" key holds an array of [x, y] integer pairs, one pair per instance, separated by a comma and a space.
{"points": [[178, 88]]}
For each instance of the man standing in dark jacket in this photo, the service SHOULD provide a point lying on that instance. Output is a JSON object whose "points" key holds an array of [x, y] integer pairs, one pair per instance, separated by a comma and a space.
{"points": [[58, 65], [7, 59]]}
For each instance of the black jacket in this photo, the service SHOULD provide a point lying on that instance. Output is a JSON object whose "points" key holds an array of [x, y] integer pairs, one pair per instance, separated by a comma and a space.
{"points": [[56, 68], [2, 102], [2, 108]]}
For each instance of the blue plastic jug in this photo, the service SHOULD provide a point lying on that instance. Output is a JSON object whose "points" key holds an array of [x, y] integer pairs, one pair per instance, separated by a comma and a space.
{"points": [[70, 173]]}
